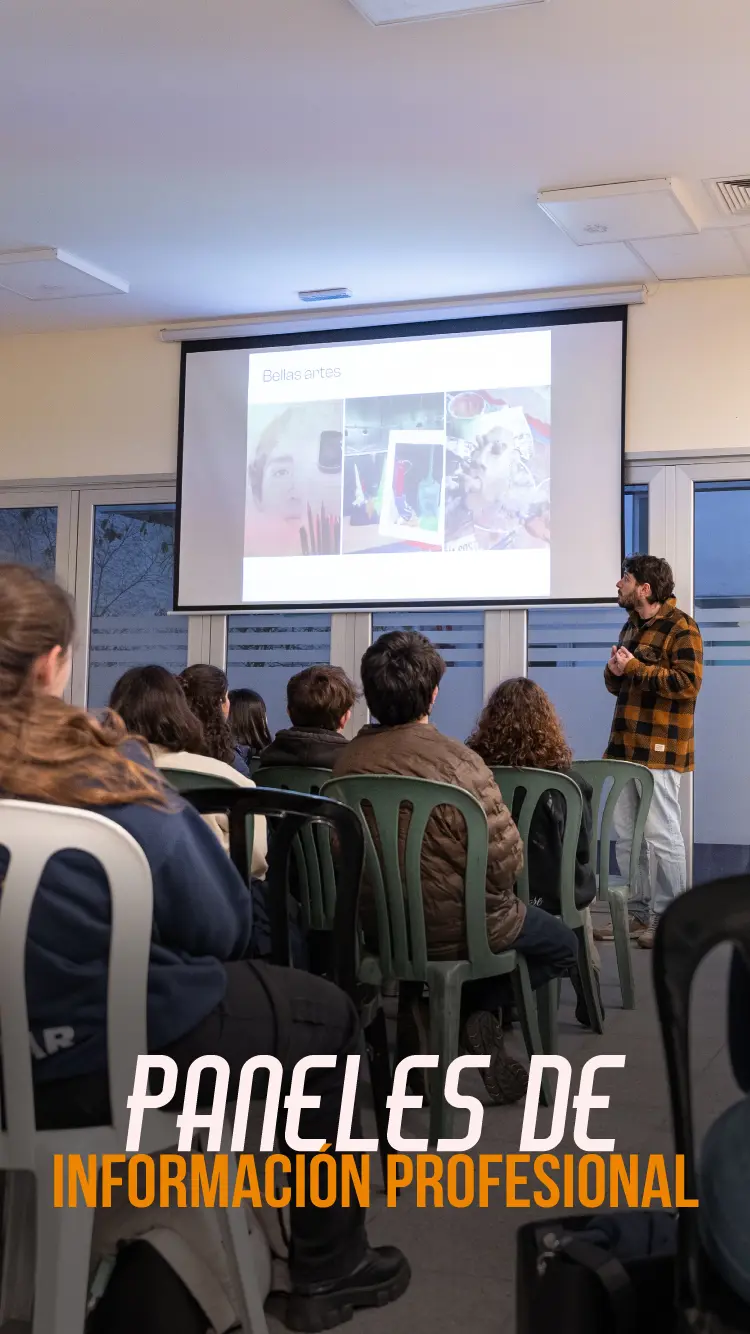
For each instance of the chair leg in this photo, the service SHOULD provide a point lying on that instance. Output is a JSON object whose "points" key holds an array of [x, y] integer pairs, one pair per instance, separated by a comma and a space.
{"points": [[63, 1260], [445, 1023], [618, 908], [586, 973], [527, 1013], [547, 1005], [239, 1253], [381, 1078]]}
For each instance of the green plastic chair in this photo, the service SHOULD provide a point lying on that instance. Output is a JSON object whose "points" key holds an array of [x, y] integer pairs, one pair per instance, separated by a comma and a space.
{"points": [[615, 890], [185, 780], [399, 910], [315, 880], [534, 783]]}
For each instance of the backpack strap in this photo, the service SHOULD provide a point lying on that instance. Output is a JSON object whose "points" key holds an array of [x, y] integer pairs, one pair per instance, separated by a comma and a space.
{"points": [[613, 1277]]}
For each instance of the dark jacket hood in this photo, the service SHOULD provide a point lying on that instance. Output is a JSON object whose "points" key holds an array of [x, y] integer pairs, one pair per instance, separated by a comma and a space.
{"points": [[308, 747]]}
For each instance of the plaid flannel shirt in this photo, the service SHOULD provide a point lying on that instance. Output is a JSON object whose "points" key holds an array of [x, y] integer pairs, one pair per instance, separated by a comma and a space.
{"points": [[653, 722]]}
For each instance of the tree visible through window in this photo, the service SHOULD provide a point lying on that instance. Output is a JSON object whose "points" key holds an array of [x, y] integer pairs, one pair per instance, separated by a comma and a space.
{"points": [[28, 536], [131, 593]]}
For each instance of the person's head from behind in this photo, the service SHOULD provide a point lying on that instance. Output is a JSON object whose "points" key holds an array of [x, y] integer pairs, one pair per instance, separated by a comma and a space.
{"points": [[321, 697], [645, 582], [152, 705], [49, 750], [519, 727], [401, 673], [248, 720], [207, 693]]}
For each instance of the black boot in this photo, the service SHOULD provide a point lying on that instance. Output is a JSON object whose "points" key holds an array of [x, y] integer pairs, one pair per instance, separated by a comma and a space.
{"points": [[380, 1278]]}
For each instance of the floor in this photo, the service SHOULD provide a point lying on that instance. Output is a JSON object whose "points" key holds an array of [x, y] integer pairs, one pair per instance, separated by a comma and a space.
{"points": [[463, 1259]]}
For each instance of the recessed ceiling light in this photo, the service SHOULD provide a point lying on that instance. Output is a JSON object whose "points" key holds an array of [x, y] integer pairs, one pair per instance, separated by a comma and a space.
{"points": [[325, 294], [411, 11], [44, 273]]}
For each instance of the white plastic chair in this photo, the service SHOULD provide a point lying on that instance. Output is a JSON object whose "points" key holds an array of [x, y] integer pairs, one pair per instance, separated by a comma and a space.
{"points": [[33, 833]]}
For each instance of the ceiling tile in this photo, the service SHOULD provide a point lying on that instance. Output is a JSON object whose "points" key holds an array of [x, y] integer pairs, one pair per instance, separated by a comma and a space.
{"points": [[711, 254]]}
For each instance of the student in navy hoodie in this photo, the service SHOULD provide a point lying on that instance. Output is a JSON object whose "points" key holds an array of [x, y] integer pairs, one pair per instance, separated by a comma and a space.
{"points": [[204, 997]]}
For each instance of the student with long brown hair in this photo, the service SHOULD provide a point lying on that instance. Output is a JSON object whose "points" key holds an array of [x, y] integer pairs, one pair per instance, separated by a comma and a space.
{"points": [[204, 997], [207, 693], [519, 727]]}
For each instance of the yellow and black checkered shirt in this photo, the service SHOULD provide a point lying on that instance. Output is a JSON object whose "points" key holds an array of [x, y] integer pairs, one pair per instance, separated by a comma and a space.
{"points": [[653, 722]]}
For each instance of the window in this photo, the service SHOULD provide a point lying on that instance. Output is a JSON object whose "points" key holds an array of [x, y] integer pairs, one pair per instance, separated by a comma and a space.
{"points": [[28, 535], [459, 635], [264, 649], [569, 646], [722, 721], [132, 565]]}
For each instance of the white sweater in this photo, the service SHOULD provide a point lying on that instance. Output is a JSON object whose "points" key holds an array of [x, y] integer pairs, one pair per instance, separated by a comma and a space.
{"points": [[204, 764]]}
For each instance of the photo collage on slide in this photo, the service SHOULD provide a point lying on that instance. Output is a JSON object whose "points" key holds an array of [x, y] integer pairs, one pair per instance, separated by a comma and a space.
{"points": [[467, 470]]}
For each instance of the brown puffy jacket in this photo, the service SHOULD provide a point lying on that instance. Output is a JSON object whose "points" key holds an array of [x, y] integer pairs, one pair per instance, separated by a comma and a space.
{"points": [[418, 750]]}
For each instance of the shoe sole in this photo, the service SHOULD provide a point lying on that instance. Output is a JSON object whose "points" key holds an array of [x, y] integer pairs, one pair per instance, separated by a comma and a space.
{"points": [[312, 1315], [505, 1080]]}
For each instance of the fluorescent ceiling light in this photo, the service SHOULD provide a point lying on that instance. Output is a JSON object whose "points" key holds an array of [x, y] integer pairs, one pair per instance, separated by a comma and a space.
{"points": [[411, 11]]}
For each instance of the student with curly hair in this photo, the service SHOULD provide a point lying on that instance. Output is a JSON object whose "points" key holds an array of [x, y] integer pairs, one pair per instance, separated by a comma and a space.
{"points": [[519, 727], [207, 693]]}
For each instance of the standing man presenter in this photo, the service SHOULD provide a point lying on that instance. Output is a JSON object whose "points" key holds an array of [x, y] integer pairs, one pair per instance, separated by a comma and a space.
{"points": [[655, 670]]}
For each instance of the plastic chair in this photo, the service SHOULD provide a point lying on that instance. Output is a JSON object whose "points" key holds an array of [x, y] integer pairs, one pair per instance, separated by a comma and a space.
{"points": [[615, 890], [692, 926], [185, 781], [314, 881], [291, 813], [399, 909], [534, 783], [33, 833]]}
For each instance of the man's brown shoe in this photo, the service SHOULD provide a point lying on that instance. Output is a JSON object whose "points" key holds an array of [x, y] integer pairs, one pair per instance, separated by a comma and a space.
{"points": [[635, 928]]}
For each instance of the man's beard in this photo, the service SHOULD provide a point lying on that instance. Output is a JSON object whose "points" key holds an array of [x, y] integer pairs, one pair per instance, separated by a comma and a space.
{"points": [[626, 600]]}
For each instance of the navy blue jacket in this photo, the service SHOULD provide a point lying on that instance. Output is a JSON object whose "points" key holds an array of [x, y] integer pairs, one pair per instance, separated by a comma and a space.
{"points": [[202, 917]]}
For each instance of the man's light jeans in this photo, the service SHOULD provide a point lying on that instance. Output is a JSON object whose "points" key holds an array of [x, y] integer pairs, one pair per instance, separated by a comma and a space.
{"points": [[662, 847]]}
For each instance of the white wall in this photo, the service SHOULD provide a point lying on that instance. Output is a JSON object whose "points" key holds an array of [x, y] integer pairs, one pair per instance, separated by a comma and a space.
{"points": [[95, 404], [104, 403], [688, 356]]}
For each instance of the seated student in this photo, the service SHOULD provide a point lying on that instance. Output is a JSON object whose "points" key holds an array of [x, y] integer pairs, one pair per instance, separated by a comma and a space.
{"points": [[152, 705], [203, 997], [401, 673], [519, 727], [248, 724], [319, 703], [207, 693]]}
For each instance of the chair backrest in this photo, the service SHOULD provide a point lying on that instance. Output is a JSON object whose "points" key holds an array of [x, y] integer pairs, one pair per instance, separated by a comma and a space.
{"points": [[32, 834], [533, 784], [392, 808], [186, 782], [290, 812], [314, 882], [618, 773], [692, 926]]}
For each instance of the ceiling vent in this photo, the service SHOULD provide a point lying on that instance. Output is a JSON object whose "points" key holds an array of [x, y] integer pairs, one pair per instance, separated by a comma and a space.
{"points": [[732, 196]]}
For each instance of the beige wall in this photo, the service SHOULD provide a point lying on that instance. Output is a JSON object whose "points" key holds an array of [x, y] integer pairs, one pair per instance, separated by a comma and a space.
{"points": [[688, 360], [105, 403], [94, 404]]}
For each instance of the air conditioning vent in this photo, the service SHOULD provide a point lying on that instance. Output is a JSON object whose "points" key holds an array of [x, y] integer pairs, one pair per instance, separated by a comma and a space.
{"points": [[732, 196]]}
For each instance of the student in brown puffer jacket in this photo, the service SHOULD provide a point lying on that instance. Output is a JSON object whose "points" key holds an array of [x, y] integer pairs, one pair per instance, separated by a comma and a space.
{"points": [[401, 673]]}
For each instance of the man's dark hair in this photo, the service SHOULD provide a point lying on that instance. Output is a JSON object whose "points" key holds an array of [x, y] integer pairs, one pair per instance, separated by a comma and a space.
{"points": [[319, 697], [399, 674], [651, 570], [152, 704]]}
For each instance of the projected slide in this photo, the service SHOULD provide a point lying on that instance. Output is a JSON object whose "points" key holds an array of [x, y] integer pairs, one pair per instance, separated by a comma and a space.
{"points": [[470, 462], [428, 451]]}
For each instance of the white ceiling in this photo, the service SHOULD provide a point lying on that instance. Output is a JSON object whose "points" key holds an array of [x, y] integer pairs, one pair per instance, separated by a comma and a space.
{"points": [[219, 155]]}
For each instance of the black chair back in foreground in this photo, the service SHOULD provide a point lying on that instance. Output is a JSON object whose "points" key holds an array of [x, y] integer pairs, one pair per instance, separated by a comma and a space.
{"points": [[291, 813]]}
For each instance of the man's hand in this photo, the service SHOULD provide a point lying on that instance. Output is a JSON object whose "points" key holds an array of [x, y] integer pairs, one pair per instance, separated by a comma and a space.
{"points": [[618, 658]]}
